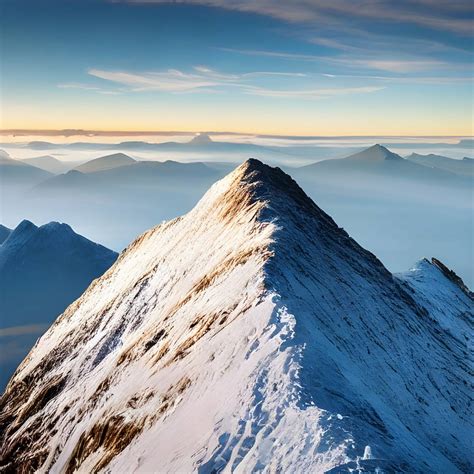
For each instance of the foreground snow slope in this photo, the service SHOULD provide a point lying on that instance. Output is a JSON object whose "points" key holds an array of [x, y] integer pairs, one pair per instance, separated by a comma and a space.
{"points": [[252, 334]]}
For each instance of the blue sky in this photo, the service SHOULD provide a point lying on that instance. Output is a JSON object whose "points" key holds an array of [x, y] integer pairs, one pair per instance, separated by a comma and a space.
{"points": [[315, 67]]}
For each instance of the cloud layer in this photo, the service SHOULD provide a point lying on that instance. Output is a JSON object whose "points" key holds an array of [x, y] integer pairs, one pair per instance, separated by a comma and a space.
{"points": [[454, 16], [205, 80]]}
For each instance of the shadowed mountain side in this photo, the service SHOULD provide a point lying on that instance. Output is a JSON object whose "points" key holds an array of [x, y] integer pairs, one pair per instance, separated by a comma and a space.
{"points": [[4, 233], [45, 269]]}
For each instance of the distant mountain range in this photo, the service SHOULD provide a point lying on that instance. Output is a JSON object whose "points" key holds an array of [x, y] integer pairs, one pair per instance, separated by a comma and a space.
{"points": [[16, 176], [43, 270], [201, 147], [464, 167], [396, 207], [48, 163], [382, 169], [110, 173], [380, 197]]}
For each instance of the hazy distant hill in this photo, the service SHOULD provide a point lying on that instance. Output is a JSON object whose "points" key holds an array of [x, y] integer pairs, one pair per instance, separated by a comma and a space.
{"points": [[114, 205], [105, 163], [16, 175], [380, 163], [463, 167], [203, 148], [48, 163], [138, 175]]}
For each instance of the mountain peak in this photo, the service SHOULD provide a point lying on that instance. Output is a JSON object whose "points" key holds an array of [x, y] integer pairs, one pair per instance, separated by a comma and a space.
{"points": [[256, 189], [257, 318], [375, 153], [25, 227], [104, 163], [201, 139], [267, 183]]}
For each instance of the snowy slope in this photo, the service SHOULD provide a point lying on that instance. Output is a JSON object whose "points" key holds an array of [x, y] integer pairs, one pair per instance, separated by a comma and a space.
{"points": [[252, 334]]}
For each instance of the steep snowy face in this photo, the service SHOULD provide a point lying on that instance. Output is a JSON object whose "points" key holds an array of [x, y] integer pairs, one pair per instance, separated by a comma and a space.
{"points": [[252, 334]]}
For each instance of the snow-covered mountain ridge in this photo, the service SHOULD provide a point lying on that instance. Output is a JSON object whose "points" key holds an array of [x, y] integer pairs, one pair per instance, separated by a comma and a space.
{"points": [[252, 334]]}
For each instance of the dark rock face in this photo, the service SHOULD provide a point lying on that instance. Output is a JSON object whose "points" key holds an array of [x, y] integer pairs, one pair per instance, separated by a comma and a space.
{"points": [[451, 275]]}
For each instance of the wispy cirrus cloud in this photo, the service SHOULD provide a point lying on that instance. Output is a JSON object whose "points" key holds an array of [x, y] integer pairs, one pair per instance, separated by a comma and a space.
{"points": [[454, 17], [390, 65], [406, 70], [206, 80], [173, 80], [87, 87], [314, 93]]}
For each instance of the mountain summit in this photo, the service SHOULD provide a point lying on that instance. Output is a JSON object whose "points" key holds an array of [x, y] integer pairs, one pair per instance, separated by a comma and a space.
{"points": [[252, 334], [105, 163], [201, 139], [375, 153]]}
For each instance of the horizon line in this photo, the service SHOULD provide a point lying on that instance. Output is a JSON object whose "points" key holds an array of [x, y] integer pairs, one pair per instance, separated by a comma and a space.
{"points": [[85, 132]]}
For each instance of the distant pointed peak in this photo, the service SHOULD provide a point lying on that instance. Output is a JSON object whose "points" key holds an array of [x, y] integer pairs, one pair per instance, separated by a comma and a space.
{"points": [[22, 232], [118, 155], [25, 224], [376, 152], [201, 139], [55, 226]]}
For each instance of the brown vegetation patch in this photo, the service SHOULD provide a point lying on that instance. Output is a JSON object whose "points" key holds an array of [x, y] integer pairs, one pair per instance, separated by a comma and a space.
{"points": [[18, 453], [202, 330], [164, 349], [100, 390], [112, 435]]}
